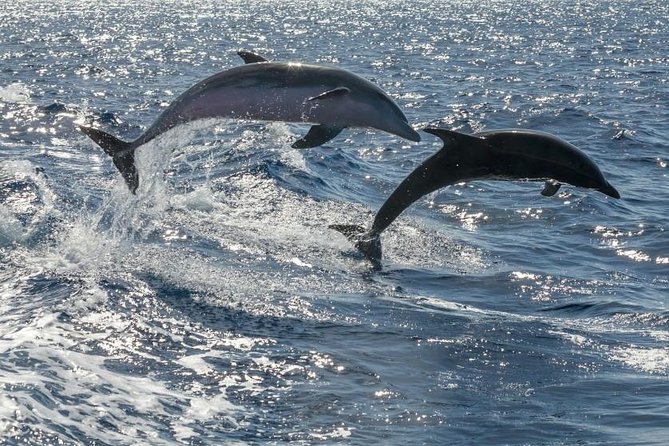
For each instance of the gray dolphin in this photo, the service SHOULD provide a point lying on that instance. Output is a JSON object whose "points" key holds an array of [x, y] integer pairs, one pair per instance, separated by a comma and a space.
{"points": [[331, 98], [513, 154]]}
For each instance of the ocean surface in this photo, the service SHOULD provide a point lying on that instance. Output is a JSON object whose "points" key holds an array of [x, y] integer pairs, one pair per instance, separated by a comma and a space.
{"points": [[216, 307]]}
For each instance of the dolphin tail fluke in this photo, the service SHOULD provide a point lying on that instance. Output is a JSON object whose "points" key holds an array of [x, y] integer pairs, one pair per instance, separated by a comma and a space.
{"points": [[122, 153], [368, 244]]}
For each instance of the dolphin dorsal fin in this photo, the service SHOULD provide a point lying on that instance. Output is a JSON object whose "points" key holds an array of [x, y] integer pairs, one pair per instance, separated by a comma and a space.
{"points": [[334, 93], [454, 138], [250, 57]]}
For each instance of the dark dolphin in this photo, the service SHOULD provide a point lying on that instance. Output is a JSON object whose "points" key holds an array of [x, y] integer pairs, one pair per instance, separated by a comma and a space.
{"points": [[513, 154], [332, 98]]}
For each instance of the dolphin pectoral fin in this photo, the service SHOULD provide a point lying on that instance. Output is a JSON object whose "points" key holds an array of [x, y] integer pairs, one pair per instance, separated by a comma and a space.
{"points": [[368, 244], [250, 57], [550, 188], [334, 93], [317, 135]]}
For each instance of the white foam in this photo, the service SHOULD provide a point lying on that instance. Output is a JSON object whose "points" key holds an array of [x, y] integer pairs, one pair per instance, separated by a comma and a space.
{"points": [[280, 132], [79, 404], [34, 208], [337, 432], [83, 248], [196, 363], [9, 413], [649, 360], [576, 339], [201, 199], [17, 93], [11, 229]]}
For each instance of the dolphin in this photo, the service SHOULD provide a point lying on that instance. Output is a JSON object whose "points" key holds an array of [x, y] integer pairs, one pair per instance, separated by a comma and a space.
{"points": [[513, 154], [329, 97]]}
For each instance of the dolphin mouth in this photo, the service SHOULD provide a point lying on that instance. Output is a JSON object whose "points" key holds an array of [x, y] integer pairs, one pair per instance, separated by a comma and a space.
{"points": [[609, 190]]}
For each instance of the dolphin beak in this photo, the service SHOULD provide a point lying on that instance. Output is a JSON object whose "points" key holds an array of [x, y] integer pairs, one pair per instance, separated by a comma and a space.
{"points": [[609, 190], [409, 133]]}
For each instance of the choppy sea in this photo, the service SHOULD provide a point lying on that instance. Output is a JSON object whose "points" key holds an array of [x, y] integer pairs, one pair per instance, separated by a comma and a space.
{"points": [[216, 307]]}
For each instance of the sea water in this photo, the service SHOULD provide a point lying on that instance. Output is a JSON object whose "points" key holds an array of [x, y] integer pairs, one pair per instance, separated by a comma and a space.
{"points": [[216, 307]]}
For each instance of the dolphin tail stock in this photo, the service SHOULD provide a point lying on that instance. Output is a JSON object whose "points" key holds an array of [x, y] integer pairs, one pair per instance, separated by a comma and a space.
{"points": [[367, 243], [122, 153]]}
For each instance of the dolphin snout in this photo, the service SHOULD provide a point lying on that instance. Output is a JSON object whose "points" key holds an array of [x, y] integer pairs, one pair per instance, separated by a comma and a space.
{"points": [[609, 190], [407, 132]]}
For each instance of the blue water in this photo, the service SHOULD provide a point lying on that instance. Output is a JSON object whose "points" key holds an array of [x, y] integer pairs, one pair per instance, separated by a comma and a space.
{"points": [[215, 307]]}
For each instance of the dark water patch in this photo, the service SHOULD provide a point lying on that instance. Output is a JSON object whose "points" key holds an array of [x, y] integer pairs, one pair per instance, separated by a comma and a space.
{"points": [[592, 309], [294, 179], [109, 118], [55, 108], [562, 118]]}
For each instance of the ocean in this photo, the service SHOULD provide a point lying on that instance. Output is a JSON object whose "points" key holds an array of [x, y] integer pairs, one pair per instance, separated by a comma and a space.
{"points": [[217, 307]]}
